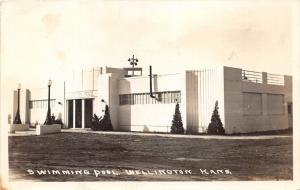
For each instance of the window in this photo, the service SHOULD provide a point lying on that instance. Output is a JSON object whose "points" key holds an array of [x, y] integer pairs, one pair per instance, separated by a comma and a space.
{"points": [[144, 98]]}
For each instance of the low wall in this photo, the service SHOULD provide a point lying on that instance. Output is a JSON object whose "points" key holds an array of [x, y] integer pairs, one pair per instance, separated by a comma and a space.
{"points": [[18, 127], [64, 126], [47, 129]]}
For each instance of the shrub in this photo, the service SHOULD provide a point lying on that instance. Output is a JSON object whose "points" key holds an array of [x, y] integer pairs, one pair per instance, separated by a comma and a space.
{"points": [[215, 126], [95, 123], [105, 122], [177, 127], [102, 123], [56, 121]]}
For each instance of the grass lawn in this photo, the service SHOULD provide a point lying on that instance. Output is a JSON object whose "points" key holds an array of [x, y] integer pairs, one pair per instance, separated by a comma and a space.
{"points": [[246, 159]]}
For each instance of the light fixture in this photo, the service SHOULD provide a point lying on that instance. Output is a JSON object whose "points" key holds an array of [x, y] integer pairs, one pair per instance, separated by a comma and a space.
{"points": [[49, 82]]}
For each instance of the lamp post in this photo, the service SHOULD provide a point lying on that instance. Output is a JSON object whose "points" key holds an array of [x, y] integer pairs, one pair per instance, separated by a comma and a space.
{"points": [[18, 118], [48, 118]]}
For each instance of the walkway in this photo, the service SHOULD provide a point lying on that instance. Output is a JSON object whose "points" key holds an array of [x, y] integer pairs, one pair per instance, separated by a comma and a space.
{"points": [[176, 136], [32, 132]]}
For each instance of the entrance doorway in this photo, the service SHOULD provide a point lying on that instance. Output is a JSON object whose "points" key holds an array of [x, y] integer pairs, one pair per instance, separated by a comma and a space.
{"points": [[70, 113], [80, 113], [290, 115], [88, 104]]}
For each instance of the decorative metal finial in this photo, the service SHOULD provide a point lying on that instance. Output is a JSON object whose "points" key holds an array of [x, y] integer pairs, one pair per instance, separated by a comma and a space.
{"points": [[133, 62]]}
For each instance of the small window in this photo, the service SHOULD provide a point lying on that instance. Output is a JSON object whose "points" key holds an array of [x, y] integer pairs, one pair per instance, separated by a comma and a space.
{"points": [[290, 108]]}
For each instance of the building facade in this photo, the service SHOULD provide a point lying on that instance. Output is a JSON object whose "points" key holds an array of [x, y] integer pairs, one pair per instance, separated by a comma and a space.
{"points": [[248, 101]]}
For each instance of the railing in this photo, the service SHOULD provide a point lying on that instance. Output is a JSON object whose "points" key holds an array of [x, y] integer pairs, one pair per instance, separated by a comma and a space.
{"points": [[252, 76], [275, 79]]}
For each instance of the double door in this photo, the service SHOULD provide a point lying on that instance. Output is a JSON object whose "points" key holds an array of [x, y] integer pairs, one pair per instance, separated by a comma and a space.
{"points": [[80, 113]]}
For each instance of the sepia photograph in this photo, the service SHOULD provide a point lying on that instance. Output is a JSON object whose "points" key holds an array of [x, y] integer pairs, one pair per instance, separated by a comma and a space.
{"points": [[129, 92]]}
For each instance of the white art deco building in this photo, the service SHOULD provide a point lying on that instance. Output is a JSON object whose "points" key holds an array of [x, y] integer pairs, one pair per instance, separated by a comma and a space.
{"points": [[248, 101]]}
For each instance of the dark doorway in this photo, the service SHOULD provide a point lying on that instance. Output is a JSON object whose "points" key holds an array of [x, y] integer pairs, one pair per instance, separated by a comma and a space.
{"points": [[88, 109], [78, 113], [290, 115], [70, 113]]}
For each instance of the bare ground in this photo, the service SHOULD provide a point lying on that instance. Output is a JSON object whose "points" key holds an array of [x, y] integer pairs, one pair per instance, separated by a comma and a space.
{"points": [[246, 159]]}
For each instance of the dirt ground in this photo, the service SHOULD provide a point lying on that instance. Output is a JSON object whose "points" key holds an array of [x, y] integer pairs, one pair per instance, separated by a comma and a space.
{"points": [[111, 157]]}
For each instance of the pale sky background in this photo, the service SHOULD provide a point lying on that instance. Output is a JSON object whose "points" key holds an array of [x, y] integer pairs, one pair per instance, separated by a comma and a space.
{"points": [[48, 39]]}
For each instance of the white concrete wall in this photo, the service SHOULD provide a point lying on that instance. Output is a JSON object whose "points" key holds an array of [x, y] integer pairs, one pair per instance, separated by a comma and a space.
{"points": [[103, 81], [203, 89], [48, 129], [83, 80], [18, 127], [239, 122], [108, 91], [168, 82], [146, 117], [102, 93], [39, 114], [117, 71], [87, 80], [150, 117], [24, 105], [114, 100]]}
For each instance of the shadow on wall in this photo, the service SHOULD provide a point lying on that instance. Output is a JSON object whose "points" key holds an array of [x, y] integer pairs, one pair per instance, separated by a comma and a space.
{"points": [[158, 97], [59, 115], [155, 86], [15, 105], [27, 113], [9, 119], [125, 116], [193, 110]]}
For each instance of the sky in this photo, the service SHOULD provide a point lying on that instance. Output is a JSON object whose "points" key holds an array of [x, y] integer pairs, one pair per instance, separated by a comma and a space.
{"points": [[49, 39]]}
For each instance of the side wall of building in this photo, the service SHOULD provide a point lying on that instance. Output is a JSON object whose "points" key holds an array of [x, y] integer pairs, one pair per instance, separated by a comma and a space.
{"points": [[155, 116], [253, 107]]}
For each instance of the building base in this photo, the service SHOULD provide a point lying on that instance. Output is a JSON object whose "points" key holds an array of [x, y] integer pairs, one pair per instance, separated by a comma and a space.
{"points": [[48, 129], [18, 127]]}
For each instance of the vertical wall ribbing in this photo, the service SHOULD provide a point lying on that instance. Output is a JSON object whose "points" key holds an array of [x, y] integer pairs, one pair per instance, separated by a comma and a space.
{"points": [[199, 100], [192, 99], [187, 101], [203, 89], [201, 97]]}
